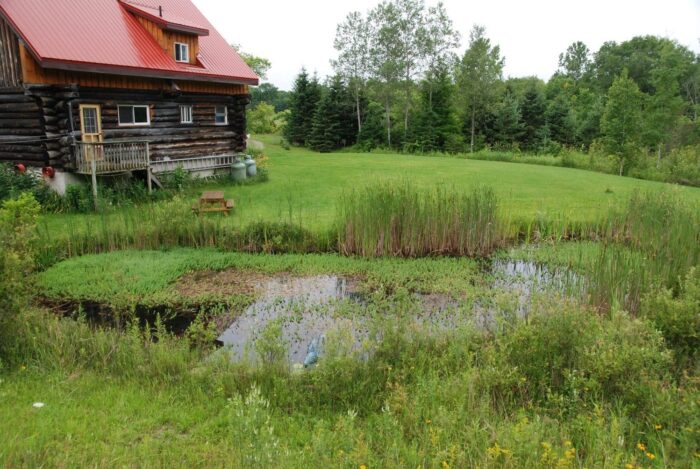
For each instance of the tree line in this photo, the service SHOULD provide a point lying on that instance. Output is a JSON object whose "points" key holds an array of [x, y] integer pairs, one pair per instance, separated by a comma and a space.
{"points": [[400, 83]]}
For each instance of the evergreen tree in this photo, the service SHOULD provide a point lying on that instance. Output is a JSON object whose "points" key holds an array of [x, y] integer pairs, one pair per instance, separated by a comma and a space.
{"points": [[508, 126], [333, 124], [372, 133], [621, 124], [560, 120], [304, 101], [533, 110], [436, 126]]}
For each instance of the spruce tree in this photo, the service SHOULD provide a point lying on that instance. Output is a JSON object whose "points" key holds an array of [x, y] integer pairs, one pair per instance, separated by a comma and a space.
{"points": [[508, 126], [304, 101], [333, 125], [372, 134], [437, 127], [533, 116], [560, 121]]}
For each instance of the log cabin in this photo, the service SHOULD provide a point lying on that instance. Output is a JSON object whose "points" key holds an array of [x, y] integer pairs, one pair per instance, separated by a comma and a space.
{"points": [[111, 86]]}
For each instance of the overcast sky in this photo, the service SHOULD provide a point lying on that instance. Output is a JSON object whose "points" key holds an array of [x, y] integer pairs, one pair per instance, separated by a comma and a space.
{"points": [[531, 33]]}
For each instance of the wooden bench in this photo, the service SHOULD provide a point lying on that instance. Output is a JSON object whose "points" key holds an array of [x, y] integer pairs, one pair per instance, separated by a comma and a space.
{"points": [[213, 201]]}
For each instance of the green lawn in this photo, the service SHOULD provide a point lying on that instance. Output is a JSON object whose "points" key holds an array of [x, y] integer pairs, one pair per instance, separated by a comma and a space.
{"points": [[305, 186]]}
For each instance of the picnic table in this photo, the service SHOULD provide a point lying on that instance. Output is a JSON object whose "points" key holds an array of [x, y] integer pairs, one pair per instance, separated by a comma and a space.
{"points": [[213, 201]]}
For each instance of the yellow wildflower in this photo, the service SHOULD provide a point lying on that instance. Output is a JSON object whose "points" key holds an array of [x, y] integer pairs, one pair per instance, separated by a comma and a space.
{"points": [[363, 466], [445, 465], [658, 427], [651, 456], [641, 446]]}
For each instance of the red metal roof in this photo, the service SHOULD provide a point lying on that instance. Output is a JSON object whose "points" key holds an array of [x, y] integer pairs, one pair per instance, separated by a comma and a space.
{"points": [[104, 36]]}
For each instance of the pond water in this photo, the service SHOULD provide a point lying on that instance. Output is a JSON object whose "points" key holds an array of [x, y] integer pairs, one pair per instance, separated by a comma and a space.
{"points": [[307, 308]]}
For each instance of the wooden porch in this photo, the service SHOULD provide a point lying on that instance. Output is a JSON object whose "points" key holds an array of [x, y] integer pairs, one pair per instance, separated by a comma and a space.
{"points": [[115, 157]]}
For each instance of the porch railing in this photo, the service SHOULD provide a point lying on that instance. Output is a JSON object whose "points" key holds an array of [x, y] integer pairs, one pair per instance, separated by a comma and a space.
{"points": [[111, 157]]}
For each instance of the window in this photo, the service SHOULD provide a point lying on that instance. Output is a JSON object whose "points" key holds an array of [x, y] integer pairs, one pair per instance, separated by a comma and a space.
{"points": [[186, 114], [221, 117], [134, 115], [182, 52]]}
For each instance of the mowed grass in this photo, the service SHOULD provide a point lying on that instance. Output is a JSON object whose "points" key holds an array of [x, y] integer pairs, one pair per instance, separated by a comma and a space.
{"points": [[305, 187]]}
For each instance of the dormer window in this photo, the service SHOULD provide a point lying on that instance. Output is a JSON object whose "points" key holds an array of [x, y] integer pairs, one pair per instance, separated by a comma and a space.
{"points": [[182, 52]]}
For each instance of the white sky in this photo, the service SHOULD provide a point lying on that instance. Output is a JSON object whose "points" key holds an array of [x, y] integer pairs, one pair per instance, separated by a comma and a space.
{"points": [[531, 33]]}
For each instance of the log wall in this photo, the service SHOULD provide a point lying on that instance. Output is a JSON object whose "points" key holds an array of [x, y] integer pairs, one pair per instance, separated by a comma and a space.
{"points": [[57, 120], [22, 133]]}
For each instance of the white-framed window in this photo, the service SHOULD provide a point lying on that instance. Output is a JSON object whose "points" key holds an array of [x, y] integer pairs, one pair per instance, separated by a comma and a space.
{"points": [[186, 116], [221, 115], [132, 115], [182, 52]]}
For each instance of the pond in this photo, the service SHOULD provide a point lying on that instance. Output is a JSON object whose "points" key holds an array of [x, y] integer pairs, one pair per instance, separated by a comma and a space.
{"points": [[307, 308]]}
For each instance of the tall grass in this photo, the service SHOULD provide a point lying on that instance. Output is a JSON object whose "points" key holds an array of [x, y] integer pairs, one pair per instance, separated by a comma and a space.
{"points": [[168, 225], [652, 242], [395, 219]]}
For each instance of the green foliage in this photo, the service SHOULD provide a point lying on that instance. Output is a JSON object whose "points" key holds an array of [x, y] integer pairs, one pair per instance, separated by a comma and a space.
{"points": [[304, 101], [478, 78], [437, 127], [259, 65], [13, 183], [533, 110], [270, 94], [678, 320], [333, 126], [277, 238], [372, 134], [18, 219], [622, 122], [263, 119]]}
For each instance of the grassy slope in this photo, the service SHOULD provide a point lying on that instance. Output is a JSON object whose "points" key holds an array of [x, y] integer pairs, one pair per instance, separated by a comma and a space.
{"points": [[306, 185]]}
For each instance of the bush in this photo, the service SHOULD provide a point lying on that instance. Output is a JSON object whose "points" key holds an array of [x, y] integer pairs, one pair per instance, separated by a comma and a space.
{"points": [[13, 183], [571, 358], [18, 219], [678, 319], [277, 238]]}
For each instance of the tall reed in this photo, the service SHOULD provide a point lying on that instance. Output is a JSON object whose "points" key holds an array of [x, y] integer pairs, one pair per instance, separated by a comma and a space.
{"points": [[396, 219], [653, 241]]}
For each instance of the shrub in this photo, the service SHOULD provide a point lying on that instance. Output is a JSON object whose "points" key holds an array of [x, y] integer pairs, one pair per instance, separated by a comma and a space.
{"points": [[573, 357], [13, 183], [678, 319], [18, 219], [277, 238]]}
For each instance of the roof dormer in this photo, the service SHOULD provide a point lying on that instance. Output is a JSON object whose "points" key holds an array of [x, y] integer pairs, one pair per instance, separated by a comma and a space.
{"points": [[178, 37]]}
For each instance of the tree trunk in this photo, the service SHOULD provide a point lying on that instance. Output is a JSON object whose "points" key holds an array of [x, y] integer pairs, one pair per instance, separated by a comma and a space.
{"points": [[408, 106], [473, 129], [658, 161], [359, 116], [622, 166], [388, 122]]}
